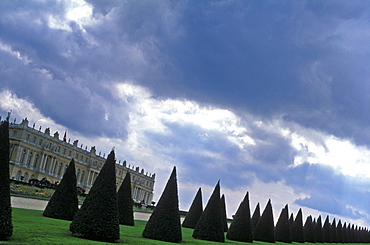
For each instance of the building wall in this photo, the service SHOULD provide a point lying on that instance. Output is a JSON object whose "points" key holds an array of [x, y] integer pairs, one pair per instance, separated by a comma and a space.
{"points": [[38, 155]]}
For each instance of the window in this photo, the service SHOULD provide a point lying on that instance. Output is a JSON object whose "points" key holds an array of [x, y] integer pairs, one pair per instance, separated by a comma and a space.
{"points": [[34, 139], [35, 161], [82, 176], [78, 174], [81, 158], [28, 137], [69, 153], [15, 133], [60, 168], [64, 151], [86, 159], [23, 155], [40, 142], [29, 159], [76, 156]]}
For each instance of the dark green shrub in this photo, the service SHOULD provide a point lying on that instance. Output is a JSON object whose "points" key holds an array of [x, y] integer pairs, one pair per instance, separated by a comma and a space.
{"points": [[283, 231], [195, 211], [309, 232], [64, 202], [265, 227], [98, 217], [125, 202], [326, 230], [164, 223], [241, 226], [340, 232], [319, 236], [256, 216], [345, 233], [297, 228], [210, 226], [333, 232], [6, 225], [291, 220], [223, 213]]}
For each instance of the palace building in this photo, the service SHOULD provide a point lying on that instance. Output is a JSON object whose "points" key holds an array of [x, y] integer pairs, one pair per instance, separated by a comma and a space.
{"points": [[38, 155]]}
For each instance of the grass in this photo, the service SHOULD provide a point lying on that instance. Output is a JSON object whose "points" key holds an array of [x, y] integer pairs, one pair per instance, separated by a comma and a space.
{"points": [[30, 227]]}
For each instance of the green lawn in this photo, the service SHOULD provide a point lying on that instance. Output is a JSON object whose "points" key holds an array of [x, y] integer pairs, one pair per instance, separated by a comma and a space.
{"points": [[30, 227]]}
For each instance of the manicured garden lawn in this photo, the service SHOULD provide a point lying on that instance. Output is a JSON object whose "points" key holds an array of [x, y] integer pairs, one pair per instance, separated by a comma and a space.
{"points": [[30, 227]]}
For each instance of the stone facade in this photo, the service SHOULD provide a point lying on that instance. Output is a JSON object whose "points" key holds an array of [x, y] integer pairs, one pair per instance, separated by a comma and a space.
{"points": [[37, 155]]}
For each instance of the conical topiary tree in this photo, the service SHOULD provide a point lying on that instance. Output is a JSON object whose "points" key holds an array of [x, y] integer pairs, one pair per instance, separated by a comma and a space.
{"points": [[291, 220], [256, 216], [6, 225], [297, 228], [318, 230], [265, 227], [340, 232], [241, 226], [223, 213], [164, 223], [125, 202], [309, 233], [326, 230], [333, 232], [345, 233], [283, 232], [195, 211], [210, 226], [64, 202], [98, 217]]}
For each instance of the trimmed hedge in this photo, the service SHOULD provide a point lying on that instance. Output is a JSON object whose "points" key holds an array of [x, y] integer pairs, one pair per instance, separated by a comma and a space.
{"points": [[6, 225], [195, 211], [241, 226], [63, 203], [265, 227], [125, 202], [309, 232], [333, 231], [256, 216], [164, 223], [326, 231], [223, 213], [319, 236], [210, 226], [283, 232], [98, 217], [297, 228]]}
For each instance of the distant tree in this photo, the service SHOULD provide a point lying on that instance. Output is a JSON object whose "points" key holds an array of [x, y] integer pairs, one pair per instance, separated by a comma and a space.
{"points": [[98, 217], [6, 225], [125, 202], [344, 233], [265, 227], [333, 232], [223, 213], [241, 226], [195, 211], [283, 231], [64, 202], [349, 233], [319, 236], [164, 223], [297, 228], [340, 232], [256, 216], [326, 230], [309, 233], [210, 226]]}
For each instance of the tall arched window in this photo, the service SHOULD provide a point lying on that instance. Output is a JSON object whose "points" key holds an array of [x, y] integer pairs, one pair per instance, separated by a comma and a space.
{"points": [[78, 174], [82, 176], [35, 161], [25, 177], [60, 168], [29, 159], [18, 176], [23, 155]]}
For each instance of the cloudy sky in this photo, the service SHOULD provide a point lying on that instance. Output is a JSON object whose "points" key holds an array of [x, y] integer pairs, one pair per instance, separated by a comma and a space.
{"points": [[270, 97]]}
